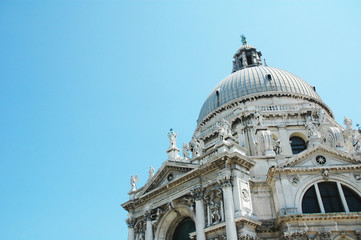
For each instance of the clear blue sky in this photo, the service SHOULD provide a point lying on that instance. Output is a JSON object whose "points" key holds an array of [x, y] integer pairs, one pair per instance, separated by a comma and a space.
{"points": [[89, 90]]}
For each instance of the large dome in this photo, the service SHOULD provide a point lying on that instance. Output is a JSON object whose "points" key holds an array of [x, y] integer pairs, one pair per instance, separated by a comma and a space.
{"points": [[257, 80]]}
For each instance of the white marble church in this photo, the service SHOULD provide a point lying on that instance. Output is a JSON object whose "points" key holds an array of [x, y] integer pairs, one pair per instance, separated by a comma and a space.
{"points": [[268, 161]]}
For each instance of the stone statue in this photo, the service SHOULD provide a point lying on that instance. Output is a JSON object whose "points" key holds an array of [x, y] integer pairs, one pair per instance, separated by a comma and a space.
{"points": [[259, 117], [348, 124], [224, 130], [277, 146], [196, 147], [172, 138], [185, 150], [312, 131], [151, 172], [356, 143], [321, 115], [216, 216], [132, 182]]}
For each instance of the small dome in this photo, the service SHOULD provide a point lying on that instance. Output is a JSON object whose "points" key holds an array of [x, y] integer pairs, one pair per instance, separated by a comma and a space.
{"points": [[255, 80]]}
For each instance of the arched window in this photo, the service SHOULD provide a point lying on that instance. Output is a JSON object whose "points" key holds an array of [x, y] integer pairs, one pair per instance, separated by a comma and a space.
{"points": [[328, 197], [184, 228], [297, 144]]}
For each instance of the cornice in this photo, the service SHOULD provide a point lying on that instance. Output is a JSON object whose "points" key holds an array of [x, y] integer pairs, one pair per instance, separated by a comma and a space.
{"points": [[201, 170], [319, 217], [256, 96]]}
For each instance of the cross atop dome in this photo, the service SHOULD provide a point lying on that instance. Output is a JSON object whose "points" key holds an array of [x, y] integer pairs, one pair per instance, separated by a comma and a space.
{"points": [[246, 56]]}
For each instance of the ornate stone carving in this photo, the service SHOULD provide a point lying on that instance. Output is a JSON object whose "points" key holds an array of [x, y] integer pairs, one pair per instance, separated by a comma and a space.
{"points": [[334, 137], [245, 194], [130, 222], [325, 174], [188, 201], [197, 193], [324, 235], [247, 236], [294, 179], [148, 215], [139, 230], [295, 235], [357, 176], [225, 182]]}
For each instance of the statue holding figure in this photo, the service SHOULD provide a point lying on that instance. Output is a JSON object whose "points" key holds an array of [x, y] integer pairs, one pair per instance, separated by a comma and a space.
{"points": [[185, 151], [172, 138], [151, 172]]}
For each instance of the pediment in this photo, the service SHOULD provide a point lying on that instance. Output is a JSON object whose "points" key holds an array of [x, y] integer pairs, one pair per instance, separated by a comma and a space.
{"points": [[320, 156], [169, 171]]}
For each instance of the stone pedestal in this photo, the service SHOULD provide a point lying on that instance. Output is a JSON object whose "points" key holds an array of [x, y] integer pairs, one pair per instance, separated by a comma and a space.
{"points": [[173, 153]]}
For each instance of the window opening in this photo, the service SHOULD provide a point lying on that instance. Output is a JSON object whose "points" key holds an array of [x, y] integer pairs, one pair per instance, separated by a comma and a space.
{"points": [[297, 145], [330, 199], [249, 60], [217, 94], [309, 202], [352, 199]]}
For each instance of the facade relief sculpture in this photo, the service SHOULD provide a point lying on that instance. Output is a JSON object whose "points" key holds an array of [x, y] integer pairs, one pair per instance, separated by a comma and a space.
{"points": [[139, 230], [214, 206]]}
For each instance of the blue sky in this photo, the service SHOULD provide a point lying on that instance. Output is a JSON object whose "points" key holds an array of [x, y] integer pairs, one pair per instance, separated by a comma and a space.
{"points": [[89, 90]]}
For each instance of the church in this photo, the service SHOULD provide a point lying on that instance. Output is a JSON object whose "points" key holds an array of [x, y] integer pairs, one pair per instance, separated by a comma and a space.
{"points": [[267, 160]]}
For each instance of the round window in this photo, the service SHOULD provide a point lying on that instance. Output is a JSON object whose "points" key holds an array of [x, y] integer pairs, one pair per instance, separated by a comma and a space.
{"points": [[321, 160]]}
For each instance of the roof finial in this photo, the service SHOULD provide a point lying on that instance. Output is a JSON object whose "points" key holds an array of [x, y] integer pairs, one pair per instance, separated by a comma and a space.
{"points": [[243, 39]]}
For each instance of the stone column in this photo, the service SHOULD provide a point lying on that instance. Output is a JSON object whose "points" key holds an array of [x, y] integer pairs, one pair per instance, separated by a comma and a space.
{"points": [[149, 226], [231, 229], [197, 193], [130, 222]]}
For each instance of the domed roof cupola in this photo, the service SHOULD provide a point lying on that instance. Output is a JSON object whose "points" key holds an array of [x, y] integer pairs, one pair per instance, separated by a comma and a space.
{"points": [[246, 56]]}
